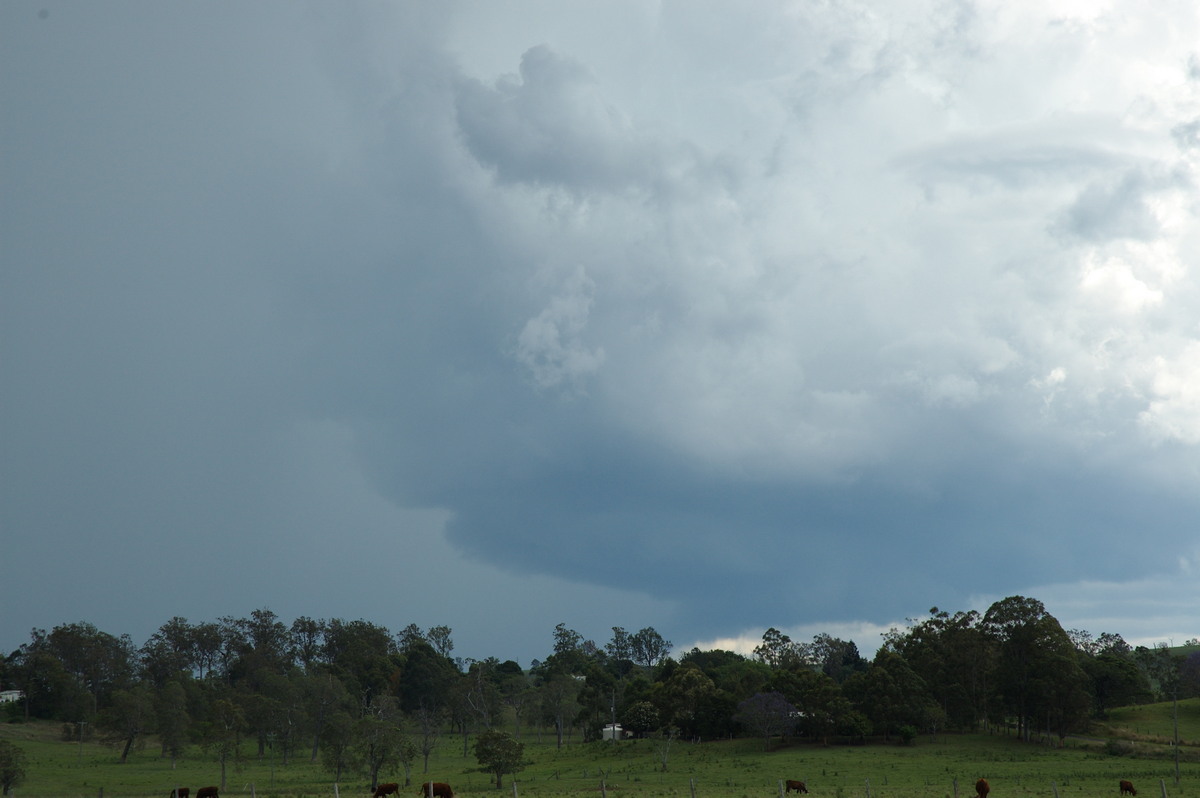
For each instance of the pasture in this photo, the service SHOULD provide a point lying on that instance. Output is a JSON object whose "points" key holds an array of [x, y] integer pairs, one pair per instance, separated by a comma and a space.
{"points": [[945, 767]]}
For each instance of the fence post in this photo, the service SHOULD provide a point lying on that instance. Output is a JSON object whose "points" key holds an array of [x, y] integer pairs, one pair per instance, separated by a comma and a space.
{"points": [[514, 788], [868, 788], [1054, 784], [1162, 785], [781, 788], [603, 789], [956, 788], [692, 784]]}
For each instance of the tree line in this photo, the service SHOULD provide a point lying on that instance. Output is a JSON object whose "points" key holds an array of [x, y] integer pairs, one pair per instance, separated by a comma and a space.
{"points": [[359, 698]]}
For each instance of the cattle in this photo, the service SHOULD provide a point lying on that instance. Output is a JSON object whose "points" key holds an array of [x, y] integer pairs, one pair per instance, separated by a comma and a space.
{"points": [[182, 792], [439, 789], [207, 792], [391, 788], [982, 788], [798, 786], [1127, 788]]}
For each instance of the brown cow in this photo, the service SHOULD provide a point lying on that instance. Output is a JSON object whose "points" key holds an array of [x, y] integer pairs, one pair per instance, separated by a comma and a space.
{"points": [[207, 792], [182, 792], [798, 786], [1127, 788], [982, 788], [391, 788], [440, 789]]}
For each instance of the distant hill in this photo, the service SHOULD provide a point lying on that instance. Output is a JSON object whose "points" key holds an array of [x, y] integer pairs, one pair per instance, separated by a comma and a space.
{"points": [[1153, 723]]}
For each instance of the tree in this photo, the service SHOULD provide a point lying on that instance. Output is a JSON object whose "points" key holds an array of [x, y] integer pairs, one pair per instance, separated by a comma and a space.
{"points": [[819, 699], [663, 747], [890, 694], [307, 636], [426, 679], [323, 695], [208, 641], [12, 766], [1189, 674], [337, 740], [428, 721], [767, 714], [361, 655], [1166, 668], [481, 692], [683, 699], [169, 651], [560, 701], [619, 648], [731, 672], [410, 636], [566, 640], [221, 733], [1038, 673], [284, 712], [839, 659], [499, 753], [50, 692], [778, 651], [262, 643], [1116, 681], [127, 717], [379, 742], [515, 692], [954, 655], [640, 718], [648, 647], [439, 638], [98, 662], [171, 719]]}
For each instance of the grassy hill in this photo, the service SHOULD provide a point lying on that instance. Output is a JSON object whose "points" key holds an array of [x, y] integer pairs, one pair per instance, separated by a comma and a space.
{"points": [[1130, 745], [1154, 723]]}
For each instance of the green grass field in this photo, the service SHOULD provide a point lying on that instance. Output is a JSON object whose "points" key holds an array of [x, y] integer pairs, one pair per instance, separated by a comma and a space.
{"points": [[725, 769]]}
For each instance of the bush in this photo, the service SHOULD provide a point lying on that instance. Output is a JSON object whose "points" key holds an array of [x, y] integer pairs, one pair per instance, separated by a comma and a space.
{"points": [[12, 766], [1118, 748]]}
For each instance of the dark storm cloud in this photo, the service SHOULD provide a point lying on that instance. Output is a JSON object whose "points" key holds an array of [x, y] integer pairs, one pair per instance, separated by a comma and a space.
{"points": [[310, 308]]}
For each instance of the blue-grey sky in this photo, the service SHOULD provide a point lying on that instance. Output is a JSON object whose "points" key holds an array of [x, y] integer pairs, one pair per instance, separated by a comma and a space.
{"points": [[497, 315]]}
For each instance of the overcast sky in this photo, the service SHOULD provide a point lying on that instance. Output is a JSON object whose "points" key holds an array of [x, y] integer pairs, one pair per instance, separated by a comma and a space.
{"points": [[703, 316]]}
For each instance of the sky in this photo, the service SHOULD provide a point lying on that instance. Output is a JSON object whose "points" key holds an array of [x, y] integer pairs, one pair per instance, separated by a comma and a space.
{"points": [[498, 315]]}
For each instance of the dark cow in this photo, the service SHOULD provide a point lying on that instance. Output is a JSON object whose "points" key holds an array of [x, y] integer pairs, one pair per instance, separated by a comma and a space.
{"points": [[982, 788], [1127, 788], [391, 788], [440, 789], [182, 792], [207, 792], [798, 786]]}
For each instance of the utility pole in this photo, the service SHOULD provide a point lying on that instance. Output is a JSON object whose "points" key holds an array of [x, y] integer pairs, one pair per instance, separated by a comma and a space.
{"points": [[613, 709]]}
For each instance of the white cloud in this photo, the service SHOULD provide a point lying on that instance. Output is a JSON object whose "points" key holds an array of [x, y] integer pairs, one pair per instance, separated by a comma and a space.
{"points": [[1174, 409], [550, 345], [867, 636]]}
